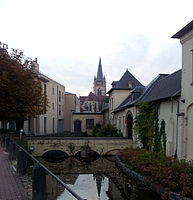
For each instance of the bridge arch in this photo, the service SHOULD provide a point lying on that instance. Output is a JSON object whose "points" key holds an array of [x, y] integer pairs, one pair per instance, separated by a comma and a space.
{"points": [[87, 154], [54, 156]]}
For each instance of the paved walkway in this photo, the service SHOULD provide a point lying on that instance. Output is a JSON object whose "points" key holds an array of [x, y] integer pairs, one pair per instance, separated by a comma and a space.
{"points": [[10, 185]]}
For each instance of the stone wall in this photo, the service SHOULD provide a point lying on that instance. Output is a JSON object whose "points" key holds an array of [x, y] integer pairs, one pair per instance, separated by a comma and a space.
{"points": [[102, 146]]}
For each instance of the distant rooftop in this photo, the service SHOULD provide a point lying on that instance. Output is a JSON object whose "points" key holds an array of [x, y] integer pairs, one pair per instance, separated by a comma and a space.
{"points": [[126, 82], [164, 86]]}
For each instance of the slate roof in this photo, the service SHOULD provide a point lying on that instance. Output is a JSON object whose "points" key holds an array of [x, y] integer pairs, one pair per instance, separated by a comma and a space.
{"points": [[161, 87], [186, 29], [122, 84], [70, 93], [167, 87], [114, 83], [138, 89]]}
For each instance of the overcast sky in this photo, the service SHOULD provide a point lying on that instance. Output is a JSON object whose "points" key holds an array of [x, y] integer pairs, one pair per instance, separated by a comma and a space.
{"points": [[68, 36]]}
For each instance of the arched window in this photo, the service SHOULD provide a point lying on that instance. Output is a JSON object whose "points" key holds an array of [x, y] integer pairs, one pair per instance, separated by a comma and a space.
{"points": [[129, 126], [99, 92]]}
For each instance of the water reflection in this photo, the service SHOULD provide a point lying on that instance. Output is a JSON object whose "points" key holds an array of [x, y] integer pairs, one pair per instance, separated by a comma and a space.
{"points": [[88, 187], [98, 180]]}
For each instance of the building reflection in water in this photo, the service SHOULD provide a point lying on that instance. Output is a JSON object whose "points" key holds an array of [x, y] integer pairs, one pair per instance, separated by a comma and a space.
{"points": [[99, 180]]}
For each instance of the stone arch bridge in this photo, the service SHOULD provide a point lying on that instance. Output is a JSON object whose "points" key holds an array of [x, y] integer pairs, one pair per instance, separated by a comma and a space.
{"points": [[72, 145]]}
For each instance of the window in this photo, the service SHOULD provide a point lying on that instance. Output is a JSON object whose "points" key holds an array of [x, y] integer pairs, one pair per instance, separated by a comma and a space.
{"points": [[130, 84], [59, 96], [45, 124], [99, 92], [119, 123], [52, 91], [95, 107], [89, 123], [52, 106], [90, 107], [59, 109], [53, 125], [123, 123], [44, 89], [37, 125], [115, 122], [29, 125]]}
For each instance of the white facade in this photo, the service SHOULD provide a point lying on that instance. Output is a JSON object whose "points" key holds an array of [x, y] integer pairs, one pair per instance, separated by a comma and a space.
{"points": [[116, 97], [176, 112], [53, 120], [168, 113], [186, 136]]}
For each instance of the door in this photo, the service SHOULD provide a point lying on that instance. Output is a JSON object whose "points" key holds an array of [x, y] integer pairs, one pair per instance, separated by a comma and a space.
{"points": [[77, 126], [129, 126]]}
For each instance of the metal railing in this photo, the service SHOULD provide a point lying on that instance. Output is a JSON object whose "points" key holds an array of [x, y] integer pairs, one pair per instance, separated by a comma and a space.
{"points": [[10, 146]]}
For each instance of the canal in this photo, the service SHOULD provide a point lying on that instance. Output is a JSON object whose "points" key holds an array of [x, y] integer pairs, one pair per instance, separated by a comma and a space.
{"points": [[96, 180]]}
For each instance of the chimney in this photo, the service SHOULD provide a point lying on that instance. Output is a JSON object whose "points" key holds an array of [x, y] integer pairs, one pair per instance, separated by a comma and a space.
{"points": [[35, 65]]}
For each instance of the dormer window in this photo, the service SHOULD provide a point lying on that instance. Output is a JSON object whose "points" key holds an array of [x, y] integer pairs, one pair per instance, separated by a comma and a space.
{"points": [[130, 84]]}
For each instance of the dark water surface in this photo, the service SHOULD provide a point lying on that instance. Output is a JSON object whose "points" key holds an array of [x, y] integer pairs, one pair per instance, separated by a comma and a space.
{"points": [[97, 180]]}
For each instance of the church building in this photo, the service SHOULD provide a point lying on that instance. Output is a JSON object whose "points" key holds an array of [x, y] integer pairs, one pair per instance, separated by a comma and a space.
{"points": [[99, 87], [91, 106], [95, 101]]}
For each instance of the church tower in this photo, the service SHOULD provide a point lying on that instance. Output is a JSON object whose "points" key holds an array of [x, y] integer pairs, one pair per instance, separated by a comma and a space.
{"points": [[99, 87]]}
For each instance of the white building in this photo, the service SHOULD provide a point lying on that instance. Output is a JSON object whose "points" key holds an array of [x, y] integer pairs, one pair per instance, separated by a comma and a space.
{"points": [[173, 92], [53, 120], [185, 132]]}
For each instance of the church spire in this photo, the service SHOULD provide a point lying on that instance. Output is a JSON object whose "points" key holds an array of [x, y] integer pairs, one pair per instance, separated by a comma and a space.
{"points": [[100, 71], [99, 88]]}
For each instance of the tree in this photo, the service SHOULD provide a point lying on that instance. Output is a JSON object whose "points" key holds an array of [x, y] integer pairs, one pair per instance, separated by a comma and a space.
{"points": [[20, 89]]}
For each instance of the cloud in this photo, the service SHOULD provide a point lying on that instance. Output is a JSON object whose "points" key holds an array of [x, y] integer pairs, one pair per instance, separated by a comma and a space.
{"points": [[67, 37]]}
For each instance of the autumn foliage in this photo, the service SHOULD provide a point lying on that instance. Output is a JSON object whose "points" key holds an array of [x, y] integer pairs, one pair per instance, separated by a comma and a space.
{"points": [[163, 171], [21, 95]]}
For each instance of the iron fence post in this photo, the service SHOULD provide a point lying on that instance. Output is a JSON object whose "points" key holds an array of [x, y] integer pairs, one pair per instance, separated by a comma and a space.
{"points": [[39, 183], [21, 162]]}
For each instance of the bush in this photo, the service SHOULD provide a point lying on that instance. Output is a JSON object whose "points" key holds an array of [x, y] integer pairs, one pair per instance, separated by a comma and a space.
{"points": [[165, 171], [106, 131]]}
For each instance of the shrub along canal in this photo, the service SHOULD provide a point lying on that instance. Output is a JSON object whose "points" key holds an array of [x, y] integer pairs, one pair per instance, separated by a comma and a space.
{"points": [[96, 180]]}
